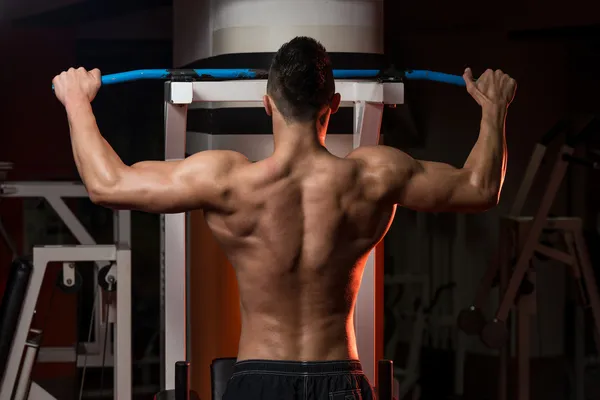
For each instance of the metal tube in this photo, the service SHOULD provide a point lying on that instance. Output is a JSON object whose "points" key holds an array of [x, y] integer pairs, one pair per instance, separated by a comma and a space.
{"points": [[182, 380], [385, 380], [31, 352], [10, 309]]}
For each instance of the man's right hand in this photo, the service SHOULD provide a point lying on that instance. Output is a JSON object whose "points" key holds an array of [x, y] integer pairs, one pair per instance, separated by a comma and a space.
{"points": [[492, 89]]}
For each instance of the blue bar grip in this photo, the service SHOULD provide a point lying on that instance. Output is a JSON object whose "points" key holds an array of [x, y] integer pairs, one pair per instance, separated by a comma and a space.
{"points": [[135, 76], [436, 77]]}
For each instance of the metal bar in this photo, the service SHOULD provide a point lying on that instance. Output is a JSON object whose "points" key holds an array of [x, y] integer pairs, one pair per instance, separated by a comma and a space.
{"points": [[253, 91], [367, 123], [72, 223], [43, 189], [385, 380], [33, 346], [22, 328], [10, 309], [122, 343], [173, 246], [182, 380], [37, 392], [368, 117], [123, 228], [555, 254]]}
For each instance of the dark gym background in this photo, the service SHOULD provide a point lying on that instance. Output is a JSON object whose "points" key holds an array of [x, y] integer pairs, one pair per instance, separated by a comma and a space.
{"points": [[551, 48]]}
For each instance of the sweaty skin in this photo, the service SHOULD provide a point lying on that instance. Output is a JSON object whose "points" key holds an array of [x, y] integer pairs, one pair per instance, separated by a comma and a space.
{"points": [[298, 225]]}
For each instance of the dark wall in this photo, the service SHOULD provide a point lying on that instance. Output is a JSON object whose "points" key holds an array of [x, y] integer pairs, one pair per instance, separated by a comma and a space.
{"points": [[34, 136], [32, 119]]}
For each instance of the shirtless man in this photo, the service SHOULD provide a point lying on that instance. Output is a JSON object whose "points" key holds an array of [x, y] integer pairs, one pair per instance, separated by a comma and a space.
{"points": [[297, 226]]}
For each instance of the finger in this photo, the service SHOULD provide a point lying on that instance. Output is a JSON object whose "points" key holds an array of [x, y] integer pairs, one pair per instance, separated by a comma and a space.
{"points": [[507, 80], [468, 74], [468, 77], [96, 74], [487, 73]]}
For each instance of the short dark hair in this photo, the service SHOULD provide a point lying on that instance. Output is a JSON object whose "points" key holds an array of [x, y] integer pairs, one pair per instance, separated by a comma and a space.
{"points": [[301, 79]]}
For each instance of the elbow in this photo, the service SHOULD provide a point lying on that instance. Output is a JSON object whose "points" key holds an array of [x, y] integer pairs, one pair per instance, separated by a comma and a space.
{"points": [[102, 194], [490, 198], [485, 191], [490, 203]]}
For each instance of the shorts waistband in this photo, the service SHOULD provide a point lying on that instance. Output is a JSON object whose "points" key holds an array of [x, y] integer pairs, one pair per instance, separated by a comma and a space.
{"points": [[298, 367]]}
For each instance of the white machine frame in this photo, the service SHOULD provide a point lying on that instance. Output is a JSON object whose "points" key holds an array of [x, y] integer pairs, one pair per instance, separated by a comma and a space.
{"points": [[368, 99], [118, 351], [54, 193], [12, 383]]}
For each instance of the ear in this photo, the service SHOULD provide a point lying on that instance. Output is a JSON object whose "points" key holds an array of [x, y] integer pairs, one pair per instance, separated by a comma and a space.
{"points": [[267, 105], [335, 103]]}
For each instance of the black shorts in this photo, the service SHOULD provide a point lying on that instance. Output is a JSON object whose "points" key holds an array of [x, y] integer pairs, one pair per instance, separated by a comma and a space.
{"points": [[322, 380]]}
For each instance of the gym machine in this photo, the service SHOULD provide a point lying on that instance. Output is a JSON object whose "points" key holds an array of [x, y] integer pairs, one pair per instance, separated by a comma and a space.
{"points": [[20, 344], [16, 383], [520, 242]]}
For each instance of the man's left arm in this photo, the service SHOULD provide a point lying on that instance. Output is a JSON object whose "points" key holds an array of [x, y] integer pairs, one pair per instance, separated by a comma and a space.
{"points": [[199, 181]]}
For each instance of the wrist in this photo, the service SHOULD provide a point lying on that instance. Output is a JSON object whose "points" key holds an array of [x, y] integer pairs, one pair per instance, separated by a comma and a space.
{"points": [[75, 101], [494, 113], [75, 104]]}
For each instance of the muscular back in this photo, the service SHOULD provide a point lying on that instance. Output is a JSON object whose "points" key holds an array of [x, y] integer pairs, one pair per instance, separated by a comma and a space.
{"points": [[297, 235]]}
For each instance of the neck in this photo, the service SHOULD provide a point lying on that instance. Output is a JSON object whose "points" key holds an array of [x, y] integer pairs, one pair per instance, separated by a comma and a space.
{"points": [[298, 139]]}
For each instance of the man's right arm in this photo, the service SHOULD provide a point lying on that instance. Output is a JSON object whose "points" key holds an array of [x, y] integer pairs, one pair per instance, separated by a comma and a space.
{"points": [[394, 176]]}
